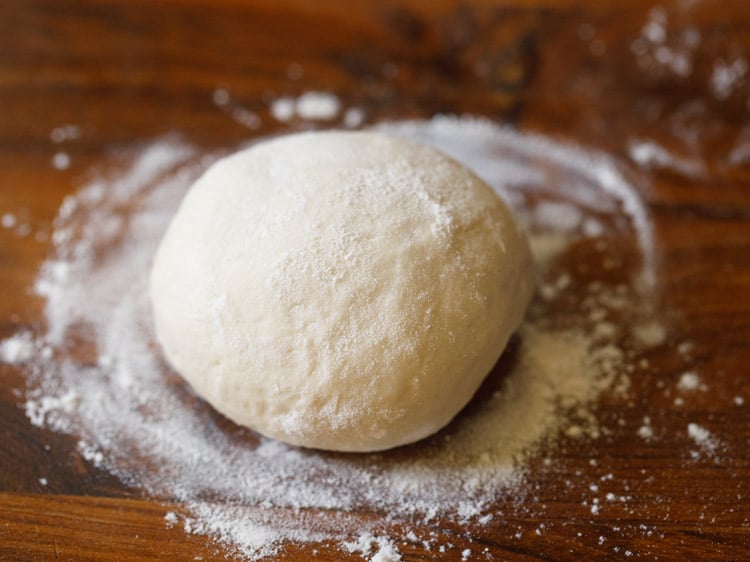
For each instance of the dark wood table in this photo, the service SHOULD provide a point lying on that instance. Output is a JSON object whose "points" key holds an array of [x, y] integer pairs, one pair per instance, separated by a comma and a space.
{"points": [[130, 71]]}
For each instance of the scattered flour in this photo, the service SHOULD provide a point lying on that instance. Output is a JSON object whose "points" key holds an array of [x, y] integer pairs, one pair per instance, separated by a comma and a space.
{"points": [[685, 348], [18, 348], [318, 106], [661, 49], [221, 97], [8, 220], [707, 442], [650, 333], [247, 118], [239, 114], [739, 154], [311, 106], [652, 155], [354, 117], [65, 133], [562, 217], [44, 410], [690, 381], [91, 453], [141, 423], [646, 432], [376, 549], [283, 109], [61, 161], [727, 76]]}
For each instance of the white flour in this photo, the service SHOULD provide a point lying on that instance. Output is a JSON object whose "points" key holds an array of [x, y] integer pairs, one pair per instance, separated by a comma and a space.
{"points": [[17, 349], [707, 443], [310, 106], [141, 423], [726, 77], [650, 154], [663, 49]]}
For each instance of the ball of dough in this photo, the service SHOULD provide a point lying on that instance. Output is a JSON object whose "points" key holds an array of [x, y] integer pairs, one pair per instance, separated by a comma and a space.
{"points": [[339, 290]]}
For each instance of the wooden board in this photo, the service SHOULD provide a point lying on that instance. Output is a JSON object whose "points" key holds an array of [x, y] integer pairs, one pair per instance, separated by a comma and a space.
{"points": [[128, 72]]}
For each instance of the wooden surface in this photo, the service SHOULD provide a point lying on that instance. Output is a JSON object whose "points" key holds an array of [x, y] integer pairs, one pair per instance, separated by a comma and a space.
{"points": [[128, 72]]}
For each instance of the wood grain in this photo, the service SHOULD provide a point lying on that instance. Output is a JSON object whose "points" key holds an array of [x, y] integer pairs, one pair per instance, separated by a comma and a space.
{"points": [[128, 72]]}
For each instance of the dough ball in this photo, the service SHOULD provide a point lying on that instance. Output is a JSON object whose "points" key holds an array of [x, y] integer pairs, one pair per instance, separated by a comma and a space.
{"points": [[339, 290]]}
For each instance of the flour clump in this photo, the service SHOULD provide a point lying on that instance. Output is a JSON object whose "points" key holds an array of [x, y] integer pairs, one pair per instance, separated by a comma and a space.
{"points": [[339, 290]]}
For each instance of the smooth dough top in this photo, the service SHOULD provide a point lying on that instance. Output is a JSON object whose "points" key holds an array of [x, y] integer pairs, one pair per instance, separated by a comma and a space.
{"points": [[339, 290]]}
